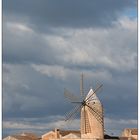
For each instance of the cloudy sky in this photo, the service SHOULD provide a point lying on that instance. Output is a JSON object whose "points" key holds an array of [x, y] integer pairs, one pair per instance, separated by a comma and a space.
{"points": [[47, 44]]}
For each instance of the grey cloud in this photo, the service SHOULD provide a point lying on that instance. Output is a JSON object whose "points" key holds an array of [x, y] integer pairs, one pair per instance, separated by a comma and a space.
{"points": [[32, 92], [68, 13], [84, 48], [23, 46]]}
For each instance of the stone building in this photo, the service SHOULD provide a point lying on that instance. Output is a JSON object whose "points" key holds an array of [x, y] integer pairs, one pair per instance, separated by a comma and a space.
{"points": [[130, 133], [58, 134], [72, 135]]}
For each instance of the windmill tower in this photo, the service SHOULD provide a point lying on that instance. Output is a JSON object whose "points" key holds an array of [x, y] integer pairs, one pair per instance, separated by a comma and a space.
{"points": [[92, 121]]}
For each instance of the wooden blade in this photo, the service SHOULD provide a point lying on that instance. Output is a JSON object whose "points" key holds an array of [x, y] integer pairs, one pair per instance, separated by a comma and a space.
{"points": [[100, 114], [71, 97], [73, 112], [70, 121], [96, 114], [84, 119], [85, 125]]}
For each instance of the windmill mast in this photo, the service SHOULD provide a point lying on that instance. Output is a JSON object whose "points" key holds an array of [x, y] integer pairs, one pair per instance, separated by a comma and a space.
{"points": [[81, 86]]}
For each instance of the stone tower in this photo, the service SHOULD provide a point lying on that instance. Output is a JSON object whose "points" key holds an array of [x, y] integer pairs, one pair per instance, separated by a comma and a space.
{"points": [[92, 122]]}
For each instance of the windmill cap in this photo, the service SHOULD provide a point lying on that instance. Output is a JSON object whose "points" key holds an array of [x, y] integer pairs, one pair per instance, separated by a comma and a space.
{"points": [[91, 97]]}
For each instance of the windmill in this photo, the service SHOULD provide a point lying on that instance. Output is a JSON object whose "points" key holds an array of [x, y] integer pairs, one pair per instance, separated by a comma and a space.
{"points": [[92, 121]]}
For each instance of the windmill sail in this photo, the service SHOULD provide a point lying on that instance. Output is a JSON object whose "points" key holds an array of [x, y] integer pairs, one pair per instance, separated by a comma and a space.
{"points": [[92, 123]]}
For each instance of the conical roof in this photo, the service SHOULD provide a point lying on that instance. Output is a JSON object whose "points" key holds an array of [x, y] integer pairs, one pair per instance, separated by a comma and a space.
{"points": [[91, 97]]}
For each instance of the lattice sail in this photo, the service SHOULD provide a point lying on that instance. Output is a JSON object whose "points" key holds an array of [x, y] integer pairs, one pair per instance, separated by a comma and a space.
{"points": [[92, 120], [85, 125]]}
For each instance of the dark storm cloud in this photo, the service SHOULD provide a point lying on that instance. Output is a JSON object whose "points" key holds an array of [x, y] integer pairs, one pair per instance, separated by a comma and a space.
{"points": [[35, 94], [79, 13], [63, 48]]}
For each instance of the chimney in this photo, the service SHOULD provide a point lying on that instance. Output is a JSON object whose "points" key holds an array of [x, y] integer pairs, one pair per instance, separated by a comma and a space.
{"points": [[57, 133]]}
